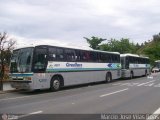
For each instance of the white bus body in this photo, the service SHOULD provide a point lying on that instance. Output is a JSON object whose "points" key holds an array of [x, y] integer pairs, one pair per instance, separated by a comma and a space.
{"points": [[156, 67], [134, 65], [43, 67]]}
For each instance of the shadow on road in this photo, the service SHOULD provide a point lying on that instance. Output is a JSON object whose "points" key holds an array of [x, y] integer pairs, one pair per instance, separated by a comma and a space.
{"points": [[36, 92]]}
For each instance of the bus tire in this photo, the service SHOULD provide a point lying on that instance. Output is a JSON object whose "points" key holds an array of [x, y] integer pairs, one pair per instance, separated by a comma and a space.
{"points": [[131, 75], [146, 73], [55, 84], [108, 77]]}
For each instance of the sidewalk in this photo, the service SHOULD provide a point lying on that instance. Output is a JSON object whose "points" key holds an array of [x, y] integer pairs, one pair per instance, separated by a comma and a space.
{"points": [[6, 88]]}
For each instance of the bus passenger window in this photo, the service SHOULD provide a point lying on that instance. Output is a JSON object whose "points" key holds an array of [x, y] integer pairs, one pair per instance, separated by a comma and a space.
{"points": [[60, 54], [52, 54], [70, 55]]}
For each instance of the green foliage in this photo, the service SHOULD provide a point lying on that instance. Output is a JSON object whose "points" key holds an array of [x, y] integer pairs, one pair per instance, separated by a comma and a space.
{"points": [[149, 48], [152, 49], [156, 38], [94, 42], [122, 45]]}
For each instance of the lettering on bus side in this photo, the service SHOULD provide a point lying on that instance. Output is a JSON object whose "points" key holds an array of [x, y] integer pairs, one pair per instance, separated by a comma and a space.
{"points": [[56, 65], [73, 65], [136, 65]]}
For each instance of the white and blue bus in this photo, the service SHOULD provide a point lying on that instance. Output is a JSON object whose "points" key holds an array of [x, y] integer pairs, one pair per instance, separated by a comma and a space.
{"points": [[134, 65], [157, 64], [156, 67], [44, 67]]}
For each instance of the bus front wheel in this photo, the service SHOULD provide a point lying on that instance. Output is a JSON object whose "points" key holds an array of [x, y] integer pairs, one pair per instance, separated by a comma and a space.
{"points": [[55, 84], [131, 75]]}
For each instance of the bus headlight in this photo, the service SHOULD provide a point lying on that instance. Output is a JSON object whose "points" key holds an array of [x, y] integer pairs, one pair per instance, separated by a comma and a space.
{"points": [[28, 78]]}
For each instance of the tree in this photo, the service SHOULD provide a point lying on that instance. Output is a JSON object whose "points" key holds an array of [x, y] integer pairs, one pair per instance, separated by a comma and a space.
{"points": [[138, 46], [126, 46], [151, 49], [94, 42], [123, 46], [156, 37], [6, 46]]}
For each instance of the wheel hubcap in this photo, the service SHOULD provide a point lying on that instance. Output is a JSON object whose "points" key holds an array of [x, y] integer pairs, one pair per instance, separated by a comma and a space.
{"points": [[56, 84], [109, 78]]}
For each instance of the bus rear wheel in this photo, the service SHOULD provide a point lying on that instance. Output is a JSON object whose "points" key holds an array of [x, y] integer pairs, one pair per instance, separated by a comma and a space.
{"points": [[108, 77], [146, 73], [55, 84]]}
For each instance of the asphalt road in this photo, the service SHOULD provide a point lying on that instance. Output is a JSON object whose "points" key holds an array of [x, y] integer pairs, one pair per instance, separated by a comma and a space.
{"points": [[139, 96]]}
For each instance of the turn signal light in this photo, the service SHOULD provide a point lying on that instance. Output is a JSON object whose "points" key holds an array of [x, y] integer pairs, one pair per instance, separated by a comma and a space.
{"points": [[28, 78]]}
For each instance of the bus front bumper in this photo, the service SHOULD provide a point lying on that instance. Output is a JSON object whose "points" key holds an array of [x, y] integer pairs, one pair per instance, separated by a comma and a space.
{"points": [[19, 84]]}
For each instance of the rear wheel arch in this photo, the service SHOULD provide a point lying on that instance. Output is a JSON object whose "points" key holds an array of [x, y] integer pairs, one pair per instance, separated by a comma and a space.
{"points": [[146, 73], [108, 77], [56, 79], [131, 75]]}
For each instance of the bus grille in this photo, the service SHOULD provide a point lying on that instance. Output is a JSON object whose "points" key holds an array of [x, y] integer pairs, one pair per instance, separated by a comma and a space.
{"points": [[17, 78]]}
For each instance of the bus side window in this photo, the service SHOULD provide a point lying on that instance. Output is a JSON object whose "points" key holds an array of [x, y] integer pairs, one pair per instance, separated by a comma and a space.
{"points": [[93, 56], [60, 54], [114, 58], [110, 58], [87, 55], [52, 54], [103, 57], [130, 60], [118, 58], [77, 56], [84, 56], [70, 54], [99, 57]]}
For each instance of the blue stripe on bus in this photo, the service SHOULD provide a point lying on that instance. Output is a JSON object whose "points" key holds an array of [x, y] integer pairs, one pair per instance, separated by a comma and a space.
{"points": [[21, 74], [80, 69]]}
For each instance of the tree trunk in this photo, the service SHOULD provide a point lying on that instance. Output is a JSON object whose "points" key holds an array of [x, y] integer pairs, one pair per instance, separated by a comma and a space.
{"points": [[1, 76], [1, 81], [1, 85]]}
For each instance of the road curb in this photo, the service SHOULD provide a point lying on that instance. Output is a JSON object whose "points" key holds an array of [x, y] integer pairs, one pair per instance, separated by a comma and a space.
{"points": [[8, 91]]}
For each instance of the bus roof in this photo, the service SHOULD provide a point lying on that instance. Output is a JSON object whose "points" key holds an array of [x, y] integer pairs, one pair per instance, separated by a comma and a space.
{"points": [[105, 51], [157, 61], [134, 55], [70, 47]]}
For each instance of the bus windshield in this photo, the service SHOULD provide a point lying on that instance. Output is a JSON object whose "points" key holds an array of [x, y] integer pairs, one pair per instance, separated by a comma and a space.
{"points": [[157, 64], [123, 62], [21, 60]]}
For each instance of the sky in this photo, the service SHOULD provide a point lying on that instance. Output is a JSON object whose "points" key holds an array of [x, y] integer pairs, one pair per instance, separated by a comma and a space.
{"points": [[67, 22]]}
